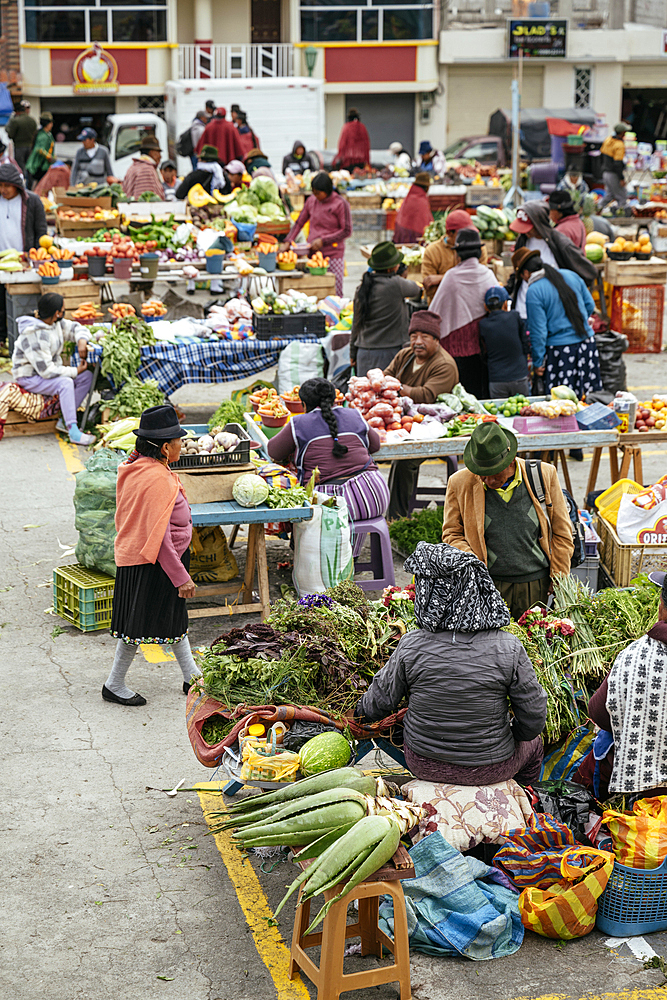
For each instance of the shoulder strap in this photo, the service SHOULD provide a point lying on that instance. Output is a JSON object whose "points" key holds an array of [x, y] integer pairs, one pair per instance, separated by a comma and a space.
{"points": [[536, 479]]}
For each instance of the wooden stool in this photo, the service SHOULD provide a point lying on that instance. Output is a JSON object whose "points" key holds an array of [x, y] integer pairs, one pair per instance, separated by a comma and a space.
{"points": [[329, 977]]}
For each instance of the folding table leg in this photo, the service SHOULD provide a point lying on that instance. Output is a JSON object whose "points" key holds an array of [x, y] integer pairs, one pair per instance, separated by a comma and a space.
{"points": [[566, 471], [232, 536], [262, 571], [593, 474], [251, 559]]}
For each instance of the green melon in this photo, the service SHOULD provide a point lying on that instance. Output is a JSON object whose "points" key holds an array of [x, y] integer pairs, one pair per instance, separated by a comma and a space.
{"points": [[324, 752], [594, 252]]}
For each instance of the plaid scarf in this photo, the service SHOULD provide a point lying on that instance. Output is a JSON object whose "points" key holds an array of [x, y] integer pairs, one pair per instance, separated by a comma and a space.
{"points": [[454, 591]]}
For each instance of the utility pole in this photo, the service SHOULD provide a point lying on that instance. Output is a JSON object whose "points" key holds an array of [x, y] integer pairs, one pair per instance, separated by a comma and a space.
{"points": [[514, 196], [616, 15]]}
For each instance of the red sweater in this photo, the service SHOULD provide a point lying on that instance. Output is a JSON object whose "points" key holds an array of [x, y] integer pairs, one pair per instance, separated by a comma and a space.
{"points": [[572, 226], [330, 221]]}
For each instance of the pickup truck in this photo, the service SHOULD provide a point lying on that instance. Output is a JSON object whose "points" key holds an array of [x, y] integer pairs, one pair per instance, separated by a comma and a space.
{"points": [[487, 149]]}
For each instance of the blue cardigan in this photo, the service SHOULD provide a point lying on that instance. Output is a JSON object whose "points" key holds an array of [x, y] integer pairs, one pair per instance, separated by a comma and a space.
{"points": [[547, 320]]}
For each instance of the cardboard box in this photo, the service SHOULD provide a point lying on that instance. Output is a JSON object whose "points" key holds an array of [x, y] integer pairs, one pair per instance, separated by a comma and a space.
{"points": [[70, 201], [597, 417], [212, 487]]}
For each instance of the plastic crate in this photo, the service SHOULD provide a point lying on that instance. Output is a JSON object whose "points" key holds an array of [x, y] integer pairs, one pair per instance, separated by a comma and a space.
{"points": [[545, 425], [597, 417], [623, 562], [608, 502], [641, 319], [239, 456], [83, 597], [288, 326], [587, 571], [634, 901]]}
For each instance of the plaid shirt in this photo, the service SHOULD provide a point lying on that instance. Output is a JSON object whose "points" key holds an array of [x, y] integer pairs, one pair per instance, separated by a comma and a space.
{"points": [[142, 176]]}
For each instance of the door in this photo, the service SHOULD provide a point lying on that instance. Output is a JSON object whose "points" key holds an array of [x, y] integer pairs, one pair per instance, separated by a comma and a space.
{"points": [[265, 22], [388, 118]]}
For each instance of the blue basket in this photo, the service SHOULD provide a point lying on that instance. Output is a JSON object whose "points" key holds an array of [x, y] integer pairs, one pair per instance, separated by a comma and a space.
{"points": [[634, 901]]}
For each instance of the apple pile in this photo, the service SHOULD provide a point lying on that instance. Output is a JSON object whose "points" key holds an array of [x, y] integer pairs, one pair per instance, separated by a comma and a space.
{"points": [[651, 415]]}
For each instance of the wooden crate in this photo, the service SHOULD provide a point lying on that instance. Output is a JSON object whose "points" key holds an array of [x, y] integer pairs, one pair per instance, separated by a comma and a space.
{"points": [[623, 562], [70, 201], [625, 273], [320, 285], [18, 426], [75, 293], [25, 288], [365, 201]]}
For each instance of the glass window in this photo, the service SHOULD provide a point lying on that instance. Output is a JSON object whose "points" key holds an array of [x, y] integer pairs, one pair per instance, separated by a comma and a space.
{"points": [[98, 26], [482, 151], [328, 26], [369, 25], [407, 24], [55, 26], [59, 3], [331, 3], [139, 25], [129, 139]]}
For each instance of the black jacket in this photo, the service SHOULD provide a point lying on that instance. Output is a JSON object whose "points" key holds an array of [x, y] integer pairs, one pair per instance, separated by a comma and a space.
{"points": [[34, 219], [203, 177]]}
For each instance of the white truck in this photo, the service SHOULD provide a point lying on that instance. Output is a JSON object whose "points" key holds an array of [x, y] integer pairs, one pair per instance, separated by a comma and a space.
{"points": [[280, 110]]}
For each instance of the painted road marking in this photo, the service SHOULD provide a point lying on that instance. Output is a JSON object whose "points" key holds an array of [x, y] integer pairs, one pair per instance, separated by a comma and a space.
{"points": [[639, 947], [269, 944], [156, 654], [71, 455], [649, 993]]}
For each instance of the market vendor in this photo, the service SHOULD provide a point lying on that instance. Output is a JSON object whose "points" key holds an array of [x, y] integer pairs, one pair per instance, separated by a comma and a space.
{"points": [[381, 318], [92, 164], [37, 364], [440, 256], [151, 551], [612, 152], [298, 161], [142, 174], [22, 223], [566, 219], [629, 756], [460, 674], [222, 135], [425, 370], [345, 466], [208, 172], [330, 225], [491, 510], [415, 213], [558, 306]]}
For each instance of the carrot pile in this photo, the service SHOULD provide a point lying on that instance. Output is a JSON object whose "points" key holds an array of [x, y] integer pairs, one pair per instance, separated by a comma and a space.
{"points": [[287, 257], [58, 254], [48, 270], [153, 307], [266, 248], [86, 313], [317, 260], [119, 310], [39, 253]]}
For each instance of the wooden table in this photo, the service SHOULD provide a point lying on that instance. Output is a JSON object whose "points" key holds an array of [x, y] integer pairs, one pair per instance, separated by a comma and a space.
{"points": [[233, 514], [631, 448]]}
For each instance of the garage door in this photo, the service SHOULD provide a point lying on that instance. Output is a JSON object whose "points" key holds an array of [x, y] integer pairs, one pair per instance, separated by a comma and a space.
{"points": [[388, 117], [475, 92]]}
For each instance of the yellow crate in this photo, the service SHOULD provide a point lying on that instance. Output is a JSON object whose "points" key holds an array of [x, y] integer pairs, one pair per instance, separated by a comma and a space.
{"points": [[83, 597], [609, 502], [624, 562]]}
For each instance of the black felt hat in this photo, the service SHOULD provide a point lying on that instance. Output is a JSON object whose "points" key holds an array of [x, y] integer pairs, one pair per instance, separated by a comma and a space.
{"points": [[160, 423]]}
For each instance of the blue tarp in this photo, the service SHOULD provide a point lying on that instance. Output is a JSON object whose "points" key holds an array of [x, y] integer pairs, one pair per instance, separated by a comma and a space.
{"points": [[6, 106]]}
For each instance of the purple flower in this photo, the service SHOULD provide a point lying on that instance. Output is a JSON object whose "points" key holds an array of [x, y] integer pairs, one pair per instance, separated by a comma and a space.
{"points": [[315, 601]]}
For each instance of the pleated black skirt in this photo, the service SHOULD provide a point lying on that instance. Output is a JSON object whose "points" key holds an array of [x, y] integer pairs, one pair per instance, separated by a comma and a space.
{"points": [[146, 605]]}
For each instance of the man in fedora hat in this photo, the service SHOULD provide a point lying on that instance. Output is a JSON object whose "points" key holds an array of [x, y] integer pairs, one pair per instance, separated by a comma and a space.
{"points": [[425, 370], [142, 174], [491, 510]]}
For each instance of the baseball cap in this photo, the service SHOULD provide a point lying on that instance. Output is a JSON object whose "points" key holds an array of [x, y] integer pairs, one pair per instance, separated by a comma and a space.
{"points": [[522, 223], [235, 167], [87, 133], [496, 292]]}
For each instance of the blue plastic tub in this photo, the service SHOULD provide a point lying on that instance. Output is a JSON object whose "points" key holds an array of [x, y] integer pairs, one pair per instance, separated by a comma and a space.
{"points": [[246, 231], [634, 901]]}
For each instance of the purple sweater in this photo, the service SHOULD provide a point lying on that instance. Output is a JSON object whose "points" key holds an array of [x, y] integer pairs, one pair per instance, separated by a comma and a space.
{"points": [[307, 441], [330, 221], [176, 539]]}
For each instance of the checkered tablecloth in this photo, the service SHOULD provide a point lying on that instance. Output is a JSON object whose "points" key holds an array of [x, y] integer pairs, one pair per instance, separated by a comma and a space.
{"points": [[174, 365]]}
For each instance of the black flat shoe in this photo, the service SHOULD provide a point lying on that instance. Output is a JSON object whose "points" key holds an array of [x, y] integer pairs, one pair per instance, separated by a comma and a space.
{"points": [[186, 687], [108, 695]]}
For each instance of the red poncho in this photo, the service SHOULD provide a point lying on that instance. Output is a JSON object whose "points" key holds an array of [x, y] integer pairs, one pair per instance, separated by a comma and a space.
{"points": [[354, 145], [222, 134], [413, 216]]}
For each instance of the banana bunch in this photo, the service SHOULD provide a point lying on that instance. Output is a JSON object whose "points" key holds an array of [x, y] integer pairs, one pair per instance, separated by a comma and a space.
{"points": [[10, 260]]}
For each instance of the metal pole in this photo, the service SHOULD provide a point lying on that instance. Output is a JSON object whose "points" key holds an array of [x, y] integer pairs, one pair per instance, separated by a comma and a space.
{"points": [[514, 196]]}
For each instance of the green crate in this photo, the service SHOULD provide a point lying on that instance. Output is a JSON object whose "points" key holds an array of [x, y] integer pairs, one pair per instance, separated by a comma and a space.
{"points": [[83, 597]]}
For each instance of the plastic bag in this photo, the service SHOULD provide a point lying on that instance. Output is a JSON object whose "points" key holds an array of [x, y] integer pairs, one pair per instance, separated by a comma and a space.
{"points": [[611, 346], [95, 506], [280, 767], [301, 732], [639, 838], [635, 526], [531, 855], [323, 548], [566, 801], [568, 909], [297, 363], [210, 558]]}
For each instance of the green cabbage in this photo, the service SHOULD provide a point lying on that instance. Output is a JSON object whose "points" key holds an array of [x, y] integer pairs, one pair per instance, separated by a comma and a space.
{"points": [[250, 490], [243, 213], [269, 210], [266, 189], [246, 197]]}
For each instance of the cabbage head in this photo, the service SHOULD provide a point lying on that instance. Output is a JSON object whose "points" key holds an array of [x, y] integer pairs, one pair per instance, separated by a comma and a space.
{"points": [[266, 189], [269, 210], [250, 490], [247, 197], [243, 213]]}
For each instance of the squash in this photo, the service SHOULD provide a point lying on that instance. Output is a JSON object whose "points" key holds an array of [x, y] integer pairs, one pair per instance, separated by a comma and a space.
{"points": [[598, 238], [199, 198]]}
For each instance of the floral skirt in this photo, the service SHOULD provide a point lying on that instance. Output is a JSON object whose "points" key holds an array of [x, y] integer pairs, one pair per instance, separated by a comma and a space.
{"points": [[574, 365], [146, 605]]}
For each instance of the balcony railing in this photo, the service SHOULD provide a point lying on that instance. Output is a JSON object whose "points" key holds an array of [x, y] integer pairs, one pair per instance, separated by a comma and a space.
{"points": [[203, 62]]}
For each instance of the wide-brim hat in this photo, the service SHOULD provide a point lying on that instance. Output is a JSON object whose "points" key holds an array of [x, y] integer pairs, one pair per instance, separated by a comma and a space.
{"points": [[209, 153], [385, 255], [520, 256], [149, 142], [491, 449], [160, 423]]}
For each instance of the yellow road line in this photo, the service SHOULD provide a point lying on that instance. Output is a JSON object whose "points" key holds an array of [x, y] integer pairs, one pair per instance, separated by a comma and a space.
{"points": [[270, 946], [156, 654], [71, 455], [650, 993]]}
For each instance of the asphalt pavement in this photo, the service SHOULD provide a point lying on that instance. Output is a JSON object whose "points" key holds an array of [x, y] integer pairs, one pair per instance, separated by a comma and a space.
{"points": [[113, 889]]}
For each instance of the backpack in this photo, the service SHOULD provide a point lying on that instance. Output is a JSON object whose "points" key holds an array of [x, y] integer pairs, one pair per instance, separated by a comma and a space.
{"points": [[184, 146], [533, 470]]}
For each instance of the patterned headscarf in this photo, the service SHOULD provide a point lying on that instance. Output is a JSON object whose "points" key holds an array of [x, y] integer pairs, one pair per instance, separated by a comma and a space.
{"points": [[454, 591]]}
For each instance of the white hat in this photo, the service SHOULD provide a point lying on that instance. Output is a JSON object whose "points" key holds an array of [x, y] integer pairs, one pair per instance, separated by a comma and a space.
{"points": [[396, 147]]}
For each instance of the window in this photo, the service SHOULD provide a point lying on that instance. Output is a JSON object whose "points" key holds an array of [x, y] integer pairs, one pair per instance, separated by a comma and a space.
{"points": [[365, 21], [582, 86], [128, 139], [483, 152], [88, 21]]}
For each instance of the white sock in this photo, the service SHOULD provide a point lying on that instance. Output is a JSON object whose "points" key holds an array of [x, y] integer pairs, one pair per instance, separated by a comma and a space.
{"points": [[186, 660], [122, 662]]}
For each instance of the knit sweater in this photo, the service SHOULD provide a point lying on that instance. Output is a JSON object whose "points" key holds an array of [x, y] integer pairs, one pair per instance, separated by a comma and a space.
{"points": [[438, 374], [306, 442], [330, 221], [387, 319], [573, 227], [38, 347], [512, 536]]}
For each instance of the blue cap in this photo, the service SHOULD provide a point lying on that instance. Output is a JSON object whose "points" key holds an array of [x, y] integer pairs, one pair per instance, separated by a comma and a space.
{"points": [[425, 147], [88, 133], [496, 292]]}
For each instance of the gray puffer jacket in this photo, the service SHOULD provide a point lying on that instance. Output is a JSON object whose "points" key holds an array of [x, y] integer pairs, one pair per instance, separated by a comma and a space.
{"points": [[460, 686]]}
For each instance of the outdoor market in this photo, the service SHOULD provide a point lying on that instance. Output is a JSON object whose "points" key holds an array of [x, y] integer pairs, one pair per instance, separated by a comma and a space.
{"points": [[446, 708]]}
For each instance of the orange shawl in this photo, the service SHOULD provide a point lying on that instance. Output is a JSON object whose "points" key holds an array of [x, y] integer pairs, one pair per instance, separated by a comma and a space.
{"points": [[146, 492]]}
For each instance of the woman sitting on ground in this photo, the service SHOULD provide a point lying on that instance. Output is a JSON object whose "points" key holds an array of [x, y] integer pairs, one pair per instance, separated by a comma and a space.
{"points": [[460, 674], [37, 365], [346, 469]]}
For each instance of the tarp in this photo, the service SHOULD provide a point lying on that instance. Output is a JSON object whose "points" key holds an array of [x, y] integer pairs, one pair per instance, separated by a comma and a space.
{"points": [[6, 105], [535, 138]]}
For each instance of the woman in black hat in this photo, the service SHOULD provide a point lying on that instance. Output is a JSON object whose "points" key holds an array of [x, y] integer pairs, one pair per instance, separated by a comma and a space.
{"points": [[152, 554], [381, 317]]}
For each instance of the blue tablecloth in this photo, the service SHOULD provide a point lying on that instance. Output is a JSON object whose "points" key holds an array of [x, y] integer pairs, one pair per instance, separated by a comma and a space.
{"points": [[174, 365]]}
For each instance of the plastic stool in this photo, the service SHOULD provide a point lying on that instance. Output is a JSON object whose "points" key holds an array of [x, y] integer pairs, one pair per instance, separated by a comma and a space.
{"points": [[329, 977], [382, 560]]}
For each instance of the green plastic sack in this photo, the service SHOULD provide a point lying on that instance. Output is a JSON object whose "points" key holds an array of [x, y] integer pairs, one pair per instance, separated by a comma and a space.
{"points": [[95, 506]]}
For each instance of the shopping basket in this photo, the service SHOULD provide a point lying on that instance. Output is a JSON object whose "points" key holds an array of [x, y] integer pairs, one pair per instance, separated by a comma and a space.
{"points": [[634, 901]]}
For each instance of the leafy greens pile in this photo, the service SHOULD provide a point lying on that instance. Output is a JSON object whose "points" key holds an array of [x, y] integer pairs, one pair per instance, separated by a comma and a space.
{"points": [[422, 526]]}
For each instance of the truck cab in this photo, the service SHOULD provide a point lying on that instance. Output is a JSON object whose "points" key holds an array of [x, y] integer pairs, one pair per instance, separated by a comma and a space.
{"points": [[122, 134], [483, 148]]}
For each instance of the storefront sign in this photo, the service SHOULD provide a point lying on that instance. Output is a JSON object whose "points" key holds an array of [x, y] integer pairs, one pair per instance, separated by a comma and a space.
{"points": [[537, 38], [95, 72]]}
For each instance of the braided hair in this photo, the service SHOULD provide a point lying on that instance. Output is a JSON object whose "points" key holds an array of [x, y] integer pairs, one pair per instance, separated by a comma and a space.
{"points": [[565, 293], [320, 392]]}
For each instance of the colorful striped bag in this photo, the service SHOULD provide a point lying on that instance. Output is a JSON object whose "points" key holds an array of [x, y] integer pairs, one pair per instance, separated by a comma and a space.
{"points": [[639, 838], [532, 855], [568, 909]]}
